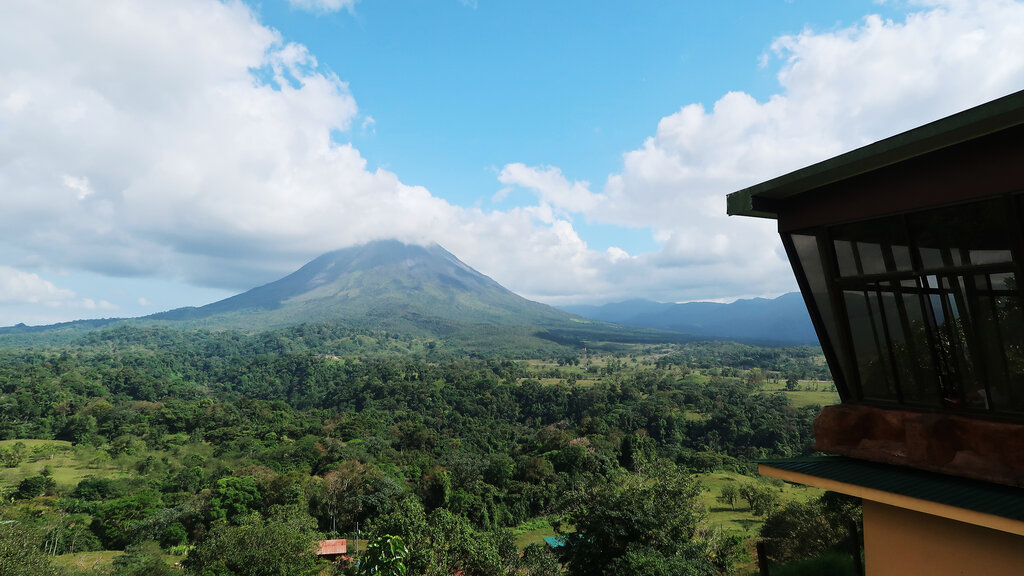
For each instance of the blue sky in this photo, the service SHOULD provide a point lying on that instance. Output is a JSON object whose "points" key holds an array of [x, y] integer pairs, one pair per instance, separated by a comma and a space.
{"points": [[461, 90], [162, 155]]}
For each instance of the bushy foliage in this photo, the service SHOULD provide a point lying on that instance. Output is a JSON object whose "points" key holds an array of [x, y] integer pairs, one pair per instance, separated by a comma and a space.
{"points": [[651, 523], [34, 486], [806, 529], [21, 553], [143, 559], [384, 556], [284, 543], [760, 497]]}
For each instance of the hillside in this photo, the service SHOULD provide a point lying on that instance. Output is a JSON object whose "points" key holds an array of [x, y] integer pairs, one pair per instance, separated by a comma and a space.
{"points": [[380, 282], [416, 291]]}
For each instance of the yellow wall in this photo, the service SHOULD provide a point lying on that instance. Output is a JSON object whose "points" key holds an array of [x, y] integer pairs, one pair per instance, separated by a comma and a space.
{"points": [[901, 542]]}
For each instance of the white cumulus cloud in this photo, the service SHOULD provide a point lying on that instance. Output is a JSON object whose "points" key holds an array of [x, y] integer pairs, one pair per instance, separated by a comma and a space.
{"points": [[551, 187], [839, 90], [24, 287], [189, 141]]}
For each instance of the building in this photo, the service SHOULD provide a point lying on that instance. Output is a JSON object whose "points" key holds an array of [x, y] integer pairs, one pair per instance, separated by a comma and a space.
{"points": [[333, 550], [909, 254]]}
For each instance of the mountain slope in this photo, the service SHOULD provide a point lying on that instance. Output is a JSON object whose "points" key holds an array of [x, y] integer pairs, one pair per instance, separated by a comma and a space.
{"points": [[781, 320], [406, 290], [384, 282]]}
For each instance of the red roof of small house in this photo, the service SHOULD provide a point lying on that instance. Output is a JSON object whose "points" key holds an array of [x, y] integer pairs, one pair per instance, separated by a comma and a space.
{"points": [[331, 547]]}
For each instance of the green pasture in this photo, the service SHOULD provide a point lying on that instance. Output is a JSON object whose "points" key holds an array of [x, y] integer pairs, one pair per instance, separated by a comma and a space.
{"points": [[808, 392], [100, 561], [67, 464], [532, 531], [737, 519]]}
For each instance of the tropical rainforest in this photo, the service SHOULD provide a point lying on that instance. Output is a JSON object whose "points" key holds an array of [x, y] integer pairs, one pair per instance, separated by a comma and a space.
{"points": [[154, 450]]}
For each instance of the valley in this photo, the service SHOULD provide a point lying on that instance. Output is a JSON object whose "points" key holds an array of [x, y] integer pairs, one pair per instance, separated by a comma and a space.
{"points": [[449, 412]]}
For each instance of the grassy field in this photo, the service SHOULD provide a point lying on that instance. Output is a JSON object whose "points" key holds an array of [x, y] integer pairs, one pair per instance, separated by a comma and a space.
{"points": [[532, 531], [738, 519], [68, 465], [808, 392], [100, 561]]}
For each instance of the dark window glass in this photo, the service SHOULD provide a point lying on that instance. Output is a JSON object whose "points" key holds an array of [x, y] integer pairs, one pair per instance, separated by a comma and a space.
{"points": [[806, 247], [928, 309], [959, 235], [869, 345], [871, 258], [922, 388], [845, 259]]}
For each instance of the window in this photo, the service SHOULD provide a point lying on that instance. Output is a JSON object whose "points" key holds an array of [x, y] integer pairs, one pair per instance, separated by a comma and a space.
{"points": [[922, 309]]}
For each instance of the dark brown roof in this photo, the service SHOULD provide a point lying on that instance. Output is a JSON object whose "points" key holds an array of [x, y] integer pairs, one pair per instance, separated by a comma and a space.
{"points": [[988, 118]]}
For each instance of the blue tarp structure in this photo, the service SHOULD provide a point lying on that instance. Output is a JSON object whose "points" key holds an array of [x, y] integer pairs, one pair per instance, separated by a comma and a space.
{"points": [[554, 541]]}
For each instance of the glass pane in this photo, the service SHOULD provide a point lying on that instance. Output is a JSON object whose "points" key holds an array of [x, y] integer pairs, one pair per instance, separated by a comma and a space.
{"points": [[926, 326], [877, 245], [806, 247], [871, 259], [901, 257], [924, 388], [979, 229], [1007, 390], [990, 256], [931, 258], [845, 258], [868, 348]]}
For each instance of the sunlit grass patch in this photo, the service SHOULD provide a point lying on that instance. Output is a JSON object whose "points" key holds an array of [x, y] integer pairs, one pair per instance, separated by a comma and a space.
{"points": [[67, 464]]}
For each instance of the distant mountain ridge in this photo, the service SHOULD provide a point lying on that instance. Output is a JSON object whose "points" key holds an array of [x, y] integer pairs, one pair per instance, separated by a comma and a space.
{"points": [[782, 320]]}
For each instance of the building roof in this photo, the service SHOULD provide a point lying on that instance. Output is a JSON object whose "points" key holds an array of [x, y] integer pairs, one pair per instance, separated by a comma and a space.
{"points": [[983, 503], [994, 116], [329, 547]]}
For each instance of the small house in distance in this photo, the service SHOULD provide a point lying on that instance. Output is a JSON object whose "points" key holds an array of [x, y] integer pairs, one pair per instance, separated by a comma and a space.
{"points": [[333, 550], [909, 253]]}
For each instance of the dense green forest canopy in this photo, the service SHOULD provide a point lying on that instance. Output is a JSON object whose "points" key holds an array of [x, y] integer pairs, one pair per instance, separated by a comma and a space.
{"points": [[203, 439]]}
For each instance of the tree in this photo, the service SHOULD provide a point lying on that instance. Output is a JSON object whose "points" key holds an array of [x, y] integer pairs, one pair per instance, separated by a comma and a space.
{"points": [[459, 548], [34, 486], [804, 529], [283, 544], [409, 521], [639, 523], [344, 492], [117, 522], [539, 560], [234, 498], [729, 494], [761, 498], [384, 556], [21, 553], [9, 457], [445, 543], [144, 559]]}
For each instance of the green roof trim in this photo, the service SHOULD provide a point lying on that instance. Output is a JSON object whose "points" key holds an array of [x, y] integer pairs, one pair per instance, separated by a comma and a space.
{"points": [[984, 497], [988, 118]]}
